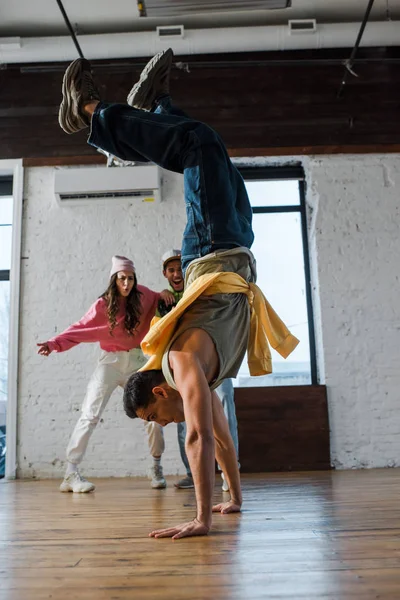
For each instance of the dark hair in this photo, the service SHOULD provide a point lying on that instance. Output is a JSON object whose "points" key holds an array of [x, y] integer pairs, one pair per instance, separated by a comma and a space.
{"points": [[133, 305], [138, 390]]}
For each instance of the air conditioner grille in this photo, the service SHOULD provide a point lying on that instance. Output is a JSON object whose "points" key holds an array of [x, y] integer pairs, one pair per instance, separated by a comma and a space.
{"points": [[96, 196]]}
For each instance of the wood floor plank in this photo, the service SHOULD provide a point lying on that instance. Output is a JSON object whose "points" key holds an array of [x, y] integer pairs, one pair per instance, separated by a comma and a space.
{"points": [[323, 535]]}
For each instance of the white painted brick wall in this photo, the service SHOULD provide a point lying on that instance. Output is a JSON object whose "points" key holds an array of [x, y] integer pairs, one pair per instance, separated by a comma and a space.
{"points": [[356, 243], [66, 260], [353, 207], [354, 204]]}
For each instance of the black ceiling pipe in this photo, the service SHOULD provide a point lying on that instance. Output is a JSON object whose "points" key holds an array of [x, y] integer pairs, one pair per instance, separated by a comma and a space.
{"points": [[71, 31], [349, 63]]}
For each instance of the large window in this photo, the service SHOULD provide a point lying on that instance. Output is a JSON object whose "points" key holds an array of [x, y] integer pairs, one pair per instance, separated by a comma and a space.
{"points": [[281, 251], [6, 212]]}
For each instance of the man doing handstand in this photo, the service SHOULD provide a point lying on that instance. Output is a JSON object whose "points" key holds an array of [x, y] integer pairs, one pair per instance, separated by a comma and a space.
{"points": [[222, 313]]}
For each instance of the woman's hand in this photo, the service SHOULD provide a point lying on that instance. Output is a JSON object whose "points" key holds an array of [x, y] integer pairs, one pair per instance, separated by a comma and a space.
{"points": [[190, 529], [226, 507], [44, 349], [168, 297]]}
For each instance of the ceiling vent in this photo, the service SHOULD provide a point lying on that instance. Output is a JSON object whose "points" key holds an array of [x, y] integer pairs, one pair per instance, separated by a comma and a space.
{"points": [[302, 26], [90, 185], [171, 31]]}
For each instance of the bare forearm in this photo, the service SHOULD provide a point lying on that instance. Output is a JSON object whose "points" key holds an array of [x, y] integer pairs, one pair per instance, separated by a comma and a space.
{"points": [[225, 450], [227, 460], [200, 451]]}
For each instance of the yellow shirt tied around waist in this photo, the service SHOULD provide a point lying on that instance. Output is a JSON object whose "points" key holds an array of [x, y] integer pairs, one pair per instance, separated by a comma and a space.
{"points": [[266, 328]]}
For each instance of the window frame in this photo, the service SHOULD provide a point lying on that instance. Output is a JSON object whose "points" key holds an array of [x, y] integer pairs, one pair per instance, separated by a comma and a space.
{"points": [[11, 176], [291, 173], [6, 189]]}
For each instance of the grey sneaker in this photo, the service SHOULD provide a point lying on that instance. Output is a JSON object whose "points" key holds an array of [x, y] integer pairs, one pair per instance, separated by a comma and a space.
{"points": [[76, 483], [225, 487], [185, 484], [153, 82], [78, 88], [157, 477]]}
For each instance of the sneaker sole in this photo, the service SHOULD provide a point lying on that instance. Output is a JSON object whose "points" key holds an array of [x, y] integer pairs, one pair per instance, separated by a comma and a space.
{"points": [[158, 486], [68, 124], [64, 489], [69, 489], [184, 487], [140, 95]]}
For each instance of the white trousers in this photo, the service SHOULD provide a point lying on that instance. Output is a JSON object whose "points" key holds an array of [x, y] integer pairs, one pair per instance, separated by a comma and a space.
{"points": [[113, 370]]}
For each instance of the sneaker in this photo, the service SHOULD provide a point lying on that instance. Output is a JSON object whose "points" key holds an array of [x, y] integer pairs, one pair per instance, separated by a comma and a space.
{"points": [[225, 487], [76, 483], [157, 478], [78, 88], [185, 484], [153, 82]]}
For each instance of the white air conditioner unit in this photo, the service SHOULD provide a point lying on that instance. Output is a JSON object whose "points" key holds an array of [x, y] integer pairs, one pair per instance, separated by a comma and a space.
{"points": [[90, 185]]}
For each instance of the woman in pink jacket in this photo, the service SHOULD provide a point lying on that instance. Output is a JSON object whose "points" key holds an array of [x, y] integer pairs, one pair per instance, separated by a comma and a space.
{"points": [[118, 320]]}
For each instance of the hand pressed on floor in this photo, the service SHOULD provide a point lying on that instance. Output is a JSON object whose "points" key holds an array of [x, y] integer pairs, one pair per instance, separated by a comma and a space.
{"points": [[189, 529], [226, 507]]}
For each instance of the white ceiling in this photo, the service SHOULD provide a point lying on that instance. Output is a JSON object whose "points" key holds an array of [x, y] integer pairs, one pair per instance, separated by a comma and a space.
{"points": [[43, 18]]}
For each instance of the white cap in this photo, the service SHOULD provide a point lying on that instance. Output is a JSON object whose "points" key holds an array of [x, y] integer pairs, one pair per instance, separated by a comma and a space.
{"points": [[172, 254]]}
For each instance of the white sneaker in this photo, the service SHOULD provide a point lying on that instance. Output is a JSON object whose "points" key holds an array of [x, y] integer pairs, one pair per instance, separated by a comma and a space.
{"points": [[157, 478], [225, 487], [76, 483]]}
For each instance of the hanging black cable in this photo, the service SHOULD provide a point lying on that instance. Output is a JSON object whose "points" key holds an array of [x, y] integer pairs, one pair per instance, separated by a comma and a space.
{"points": [[349, 63], [68, 24]]}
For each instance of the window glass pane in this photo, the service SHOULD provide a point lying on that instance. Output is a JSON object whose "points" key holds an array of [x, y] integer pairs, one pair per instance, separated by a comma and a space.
{"points": [[6, 208], [280, 275], [4, 324], [5, 246], [273, 193]]}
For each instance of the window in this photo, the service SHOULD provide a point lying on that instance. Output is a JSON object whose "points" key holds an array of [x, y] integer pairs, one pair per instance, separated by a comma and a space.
{"points": [[6, 212], [283, 274]]}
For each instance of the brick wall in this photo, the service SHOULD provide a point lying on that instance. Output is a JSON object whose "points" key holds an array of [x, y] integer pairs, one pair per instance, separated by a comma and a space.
{"points": [[66, 261], [353, 203], [355, 238]]}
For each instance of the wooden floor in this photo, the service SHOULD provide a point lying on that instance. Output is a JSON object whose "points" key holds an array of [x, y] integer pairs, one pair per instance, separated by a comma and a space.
{"points": [[312, 536]]}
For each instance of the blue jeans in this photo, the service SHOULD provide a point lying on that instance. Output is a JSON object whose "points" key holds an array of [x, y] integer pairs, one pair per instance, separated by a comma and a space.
{"points": [[226, 393], [218, 210]]}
